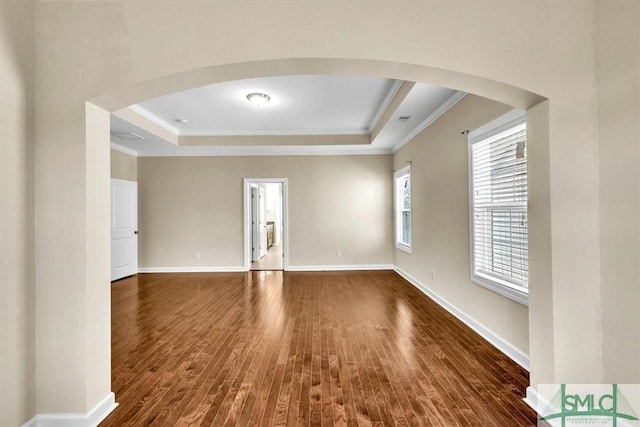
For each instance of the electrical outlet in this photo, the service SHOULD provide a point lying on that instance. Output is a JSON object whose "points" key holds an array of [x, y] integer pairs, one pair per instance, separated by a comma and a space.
{"points": [[433, 275], [197, 255], [339, 254]]}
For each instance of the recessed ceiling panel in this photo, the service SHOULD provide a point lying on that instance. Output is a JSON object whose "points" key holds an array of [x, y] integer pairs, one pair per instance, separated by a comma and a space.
{"points": [[298, 105], [424, 104]]}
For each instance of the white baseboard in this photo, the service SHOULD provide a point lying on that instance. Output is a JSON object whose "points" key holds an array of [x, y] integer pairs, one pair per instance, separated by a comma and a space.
{"points": [[357, 267], [501, 344], [191, 269], [535, 401], [90, 419]]}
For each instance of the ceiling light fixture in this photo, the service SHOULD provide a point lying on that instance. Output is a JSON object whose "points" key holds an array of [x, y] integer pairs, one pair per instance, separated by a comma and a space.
{"points": [[258, 99], [183, 121]]}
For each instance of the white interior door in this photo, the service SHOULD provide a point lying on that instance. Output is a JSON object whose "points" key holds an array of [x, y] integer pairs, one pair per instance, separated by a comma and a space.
{"points": [[255, 226], [262, 220], [124, 228]]}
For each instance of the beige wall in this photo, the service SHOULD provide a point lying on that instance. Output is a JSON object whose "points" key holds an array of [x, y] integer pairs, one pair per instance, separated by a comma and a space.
{"points": [[17, 305], [618, 74], [541, 327], [194, 204], [493, 49], [124, 166], [440, 223]]}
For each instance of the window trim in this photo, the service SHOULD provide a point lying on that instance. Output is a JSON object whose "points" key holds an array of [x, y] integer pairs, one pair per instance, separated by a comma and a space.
{"points": [[502, 287], [408, 248]]}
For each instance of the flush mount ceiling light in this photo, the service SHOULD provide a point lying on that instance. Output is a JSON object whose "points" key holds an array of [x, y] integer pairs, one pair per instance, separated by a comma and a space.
{"points": [[183, 121], [258, 99]]}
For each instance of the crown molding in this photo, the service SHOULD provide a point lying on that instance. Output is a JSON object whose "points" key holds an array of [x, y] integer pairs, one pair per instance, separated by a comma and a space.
{"points": [[268, 150], [393, 90], [276, 132], [155, 119], [273, 140], [443, 108]]}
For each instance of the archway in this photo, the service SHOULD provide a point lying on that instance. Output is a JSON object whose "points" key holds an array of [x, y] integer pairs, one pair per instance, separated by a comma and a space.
{"points": [[98, 110]]}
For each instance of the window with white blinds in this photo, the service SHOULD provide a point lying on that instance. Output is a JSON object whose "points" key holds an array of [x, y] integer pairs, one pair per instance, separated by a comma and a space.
{"points": [[498, 195], [402, 196]]}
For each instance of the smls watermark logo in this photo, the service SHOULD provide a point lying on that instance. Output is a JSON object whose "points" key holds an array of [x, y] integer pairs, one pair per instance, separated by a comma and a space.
{"points": [[590, 405]]}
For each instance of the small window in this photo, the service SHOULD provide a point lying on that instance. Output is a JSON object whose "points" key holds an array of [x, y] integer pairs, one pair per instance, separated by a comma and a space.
{"points": [[402, 198], [498, 206]]}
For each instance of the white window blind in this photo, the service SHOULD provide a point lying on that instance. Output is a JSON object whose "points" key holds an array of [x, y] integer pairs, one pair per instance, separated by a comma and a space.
{"points": [[403, 208], [499, 222]]}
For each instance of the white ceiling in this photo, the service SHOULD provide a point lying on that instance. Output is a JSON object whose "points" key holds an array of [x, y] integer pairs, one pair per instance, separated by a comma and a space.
{"points": [[300, 105]]}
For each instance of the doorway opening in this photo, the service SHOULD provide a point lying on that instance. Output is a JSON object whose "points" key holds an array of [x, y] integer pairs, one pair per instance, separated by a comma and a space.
{"points": [[265, 223]]}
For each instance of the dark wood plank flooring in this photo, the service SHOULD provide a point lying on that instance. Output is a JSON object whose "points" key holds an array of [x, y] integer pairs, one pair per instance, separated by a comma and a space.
{"points": [[273, 348]]}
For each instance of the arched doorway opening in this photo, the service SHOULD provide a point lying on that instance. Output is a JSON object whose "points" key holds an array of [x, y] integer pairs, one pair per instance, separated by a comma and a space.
{"points": [[98, 110]]}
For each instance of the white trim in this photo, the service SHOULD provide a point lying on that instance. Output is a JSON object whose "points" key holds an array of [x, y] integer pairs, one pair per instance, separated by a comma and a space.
{"points": [[269, 150], [443, 108], [505, 122], [239, 269], [404, 247], [500, 343], [247, 218], [535, 400], [124, 181], [124, 149], [90, 419], [352, 267], [275, 132], [191, 269], [408, 248], [500, 287], [137, 108], [393, 90]]}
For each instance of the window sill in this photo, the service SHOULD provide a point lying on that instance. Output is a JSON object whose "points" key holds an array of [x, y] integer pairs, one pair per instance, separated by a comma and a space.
{"points": [[403, 247], [513, 294]]}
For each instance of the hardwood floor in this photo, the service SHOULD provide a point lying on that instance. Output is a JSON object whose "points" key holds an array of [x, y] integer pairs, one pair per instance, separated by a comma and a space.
{"points": [[271, 261], [274, 348]]}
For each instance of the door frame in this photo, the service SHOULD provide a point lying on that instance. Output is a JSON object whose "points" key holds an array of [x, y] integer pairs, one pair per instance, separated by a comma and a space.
{"points": [[247, 218], [255, 230]]}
